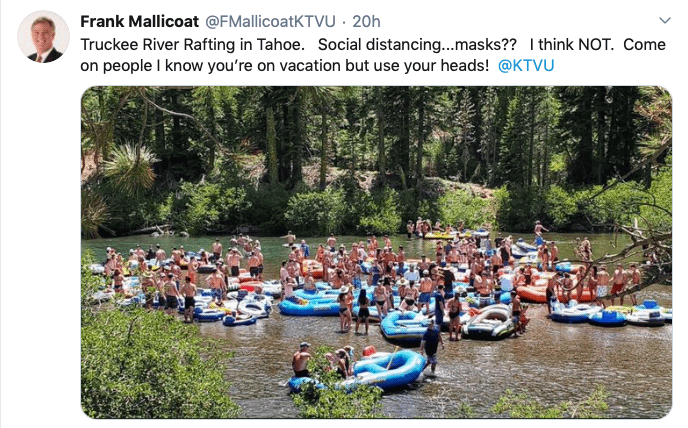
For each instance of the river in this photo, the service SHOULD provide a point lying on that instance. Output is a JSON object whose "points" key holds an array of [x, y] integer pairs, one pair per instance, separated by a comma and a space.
{"points": [[551, 362]]}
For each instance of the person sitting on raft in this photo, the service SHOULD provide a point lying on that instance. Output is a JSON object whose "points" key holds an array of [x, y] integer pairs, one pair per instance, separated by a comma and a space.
{"points": [[299, 362]]}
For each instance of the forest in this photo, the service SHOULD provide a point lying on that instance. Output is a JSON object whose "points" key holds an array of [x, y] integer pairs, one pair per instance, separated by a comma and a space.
{"points": [[330, 159]]}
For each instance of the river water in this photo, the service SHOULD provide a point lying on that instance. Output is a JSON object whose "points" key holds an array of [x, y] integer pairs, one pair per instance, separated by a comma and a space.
{"points": [[551, 362]]}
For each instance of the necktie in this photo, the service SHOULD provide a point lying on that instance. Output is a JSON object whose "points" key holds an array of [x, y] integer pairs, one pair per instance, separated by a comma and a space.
{"points": [[39, 58]]}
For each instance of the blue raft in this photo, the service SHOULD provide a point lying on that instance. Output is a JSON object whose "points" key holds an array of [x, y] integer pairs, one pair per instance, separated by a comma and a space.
{"points": [[387, 372], [405, 328], [305, 308], [573, 313], [607, 319], [405, 367]]}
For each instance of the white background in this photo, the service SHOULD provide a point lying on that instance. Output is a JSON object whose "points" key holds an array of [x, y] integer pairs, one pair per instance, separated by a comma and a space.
{"points": [[40, 139]]}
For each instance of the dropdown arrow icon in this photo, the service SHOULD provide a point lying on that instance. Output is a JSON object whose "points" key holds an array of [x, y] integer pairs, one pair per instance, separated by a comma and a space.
{"points": [[664, 21]]}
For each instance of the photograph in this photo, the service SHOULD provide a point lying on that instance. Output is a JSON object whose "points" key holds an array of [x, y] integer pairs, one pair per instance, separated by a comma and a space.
{"points": [[375, 252]]}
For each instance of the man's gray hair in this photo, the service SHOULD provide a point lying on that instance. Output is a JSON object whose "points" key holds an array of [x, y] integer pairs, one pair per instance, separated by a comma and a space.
{"points": [[44, 19]]}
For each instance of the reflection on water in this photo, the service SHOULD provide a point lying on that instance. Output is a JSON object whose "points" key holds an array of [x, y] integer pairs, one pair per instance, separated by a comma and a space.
{"points": [[551, 362]]}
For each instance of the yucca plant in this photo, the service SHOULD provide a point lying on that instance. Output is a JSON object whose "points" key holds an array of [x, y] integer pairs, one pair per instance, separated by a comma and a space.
{"points": [[94, 213], [131, 168]]}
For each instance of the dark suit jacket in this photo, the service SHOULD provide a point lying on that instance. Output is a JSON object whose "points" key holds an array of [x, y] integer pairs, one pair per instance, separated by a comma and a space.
{"points": [[52, 57]]}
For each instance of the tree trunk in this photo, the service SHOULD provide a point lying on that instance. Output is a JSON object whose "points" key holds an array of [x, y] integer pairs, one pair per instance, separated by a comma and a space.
{"points": [[421, 137], [273, 171], [324, 151], [381, 152]]}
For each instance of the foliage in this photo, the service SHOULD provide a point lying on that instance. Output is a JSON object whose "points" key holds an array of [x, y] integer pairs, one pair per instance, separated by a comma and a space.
{"points": [[379, 213], [94, 213], [459, 206], [548, 146], [524, 407], [465, 411], [268, 202], [131, 168], [332, 402], [140, 364], [320, 212], [210, 207], [560, 207]]}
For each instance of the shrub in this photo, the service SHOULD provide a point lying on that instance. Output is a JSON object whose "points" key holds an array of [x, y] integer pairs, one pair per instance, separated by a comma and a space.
{"points": [[210, 207], [379, 214], [458, 206], [319, 212], [140, 364]]}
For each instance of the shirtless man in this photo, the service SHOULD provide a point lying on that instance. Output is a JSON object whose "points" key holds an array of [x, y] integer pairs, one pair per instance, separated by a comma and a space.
{"points": [[291, 238], [603, 282], [553, 253], [176, 256], [217, 249], [539, 228], [300, 360], [516, 312], [635, 281], [426, 290], [188, 291], [216, 283], [409, 229], [171, 294], [619, 282], [496, 262], [253, 262], [139, 251], [233, 261]]}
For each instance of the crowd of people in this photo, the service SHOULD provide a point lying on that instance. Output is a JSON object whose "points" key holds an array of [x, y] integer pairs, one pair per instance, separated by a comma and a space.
{"points": [[417, 283]]}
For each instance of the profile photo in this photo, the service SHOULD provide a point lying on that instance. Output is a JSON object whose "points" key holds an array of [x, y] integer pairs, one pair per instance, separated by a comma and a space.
{"points": [[43, 37]]}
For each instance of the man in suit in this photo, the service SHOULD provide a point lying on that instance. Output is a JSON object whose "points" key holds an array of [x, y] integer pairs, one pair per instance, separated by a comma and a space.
{"points": [[43, 34]]}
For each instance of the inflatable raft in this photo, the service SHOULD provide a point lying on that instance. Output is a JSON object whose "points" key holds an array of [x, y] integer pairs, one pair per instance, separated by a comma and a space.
{"points": [[537, 294], [607, 319], [388, 372], [493, 323], [573, 312], [384, 370], [406, 328], [255, 308], [234, 321], [304, 308]]}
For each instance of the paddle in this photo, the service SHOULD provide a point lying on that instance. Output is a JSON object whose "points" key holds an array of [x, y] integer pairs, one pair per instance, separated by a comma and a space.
{"points": [[392, 357]]}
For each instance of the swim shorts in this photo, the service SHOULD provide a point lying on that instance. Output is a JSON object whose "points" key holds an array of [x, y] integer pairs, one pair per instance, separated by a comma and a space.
{"points": [[363, 313], [189, 302], [172, 302], [424, 298], [235, 270]]}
